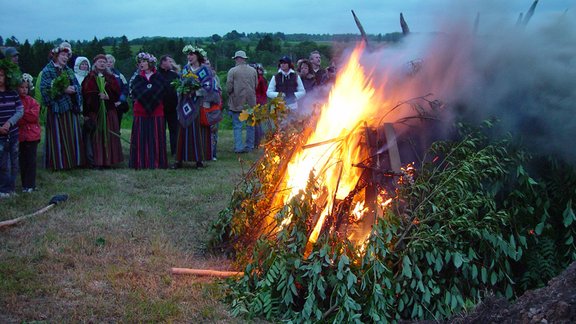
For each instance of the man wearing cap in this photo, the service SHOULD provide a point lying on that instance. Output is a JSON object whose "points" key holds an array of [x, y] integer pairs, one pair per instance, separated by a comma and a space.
{"points": [[12, 53], [287, 84], [241, 85]]}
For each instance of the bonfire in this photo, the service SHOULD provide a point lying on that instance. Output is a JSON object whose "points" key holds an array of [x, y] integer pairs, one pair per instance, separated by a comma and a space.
{"points": [[350, 216]]}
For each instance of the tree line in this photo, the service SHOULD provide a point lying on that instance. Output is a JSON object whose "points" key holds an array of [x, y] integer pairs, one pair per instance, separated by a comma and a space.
{"points": [[264, 48]]}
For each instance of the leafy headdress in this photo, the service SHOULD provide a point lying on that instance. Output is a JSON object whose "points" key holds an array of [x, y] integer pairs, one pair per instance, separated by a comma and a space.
{"points": [[12, 73], [195, 49]]}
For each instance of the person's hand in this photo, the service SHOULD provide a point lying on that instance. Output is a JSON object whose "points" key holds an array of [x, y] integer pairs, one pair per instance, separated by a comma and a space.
{"points": [[103, 96], [5, 128], [70, 90], [117, 103]]}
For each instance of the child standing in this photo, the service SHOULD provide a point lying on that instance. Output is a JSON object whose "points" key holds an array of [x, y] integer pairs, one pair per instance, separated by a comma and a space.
{"points": [[10, 112], [29, 137]]}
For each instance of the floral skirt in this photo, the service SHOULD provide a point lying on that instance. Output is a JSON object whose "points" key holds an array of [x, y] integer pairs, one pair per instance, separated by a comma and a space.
{"points": [[148, 143], [64, 148]]}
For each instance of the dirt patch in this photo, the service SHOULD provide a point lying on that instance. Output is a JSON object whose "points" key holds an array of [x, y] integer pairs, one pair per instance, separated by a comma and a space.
{"points": [[555, 303]]}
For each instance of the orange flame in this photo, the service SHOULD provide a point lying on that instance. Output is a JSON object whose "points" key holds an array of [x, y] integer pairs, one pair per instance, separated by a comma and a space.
{"points": [[337, 146]]}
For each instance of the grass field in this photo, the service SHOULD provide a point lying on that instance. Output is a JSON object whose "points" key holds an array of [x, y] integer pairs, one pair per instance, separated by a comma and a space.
{"points": [[105, 254]]}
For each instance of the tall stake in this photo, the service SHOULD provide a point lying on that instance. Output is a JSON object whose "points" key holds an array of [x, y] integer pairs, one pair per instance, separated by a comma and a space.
{"points": [[362, 32], [404, 25]]}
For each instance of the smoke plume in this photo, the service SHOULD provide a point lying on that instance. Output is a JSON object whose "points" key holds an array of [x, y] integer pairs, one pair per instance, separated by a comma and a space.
{"points": [[524, 76]]}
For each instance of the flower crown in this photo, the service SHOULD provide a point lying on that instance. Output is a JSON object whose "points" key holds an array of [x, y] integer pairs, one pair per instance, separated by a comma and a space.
{"points": [[28, 79], [189, 49], [61, 48], [145, 57]]}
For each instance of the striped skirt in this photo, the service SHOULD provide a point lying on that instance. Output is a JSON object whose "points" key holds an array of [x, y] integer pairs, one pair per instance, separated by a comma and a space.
{"points": [[64, 148], [148, 143], [194, 143], [106, 143]]}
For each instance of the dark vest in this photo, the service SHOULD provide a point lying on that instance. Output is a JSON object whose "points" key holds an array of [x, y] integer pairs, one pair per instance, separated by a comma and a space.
{"points": [[287, 85], [320, 76], [9, 101]]}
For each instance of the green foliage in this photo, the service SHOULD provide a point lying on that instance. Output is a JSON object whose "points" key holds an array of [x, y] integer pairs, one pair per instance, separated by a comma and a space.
{"points": [[124, 50], [12, 74], [473, 221]]}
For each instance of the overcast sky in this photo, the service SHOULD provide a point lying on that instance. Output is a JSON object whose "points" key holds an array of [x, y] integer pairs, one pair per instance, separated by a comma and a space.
{"points": [[86, 19]]}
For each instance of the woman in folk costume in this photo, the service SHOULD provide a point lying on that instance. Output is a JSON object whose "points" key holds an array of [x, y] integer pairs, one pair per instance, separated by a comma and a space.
{"points": [[194, 140], [100, 91], [148, 140], [61, 95], [81, 68]]}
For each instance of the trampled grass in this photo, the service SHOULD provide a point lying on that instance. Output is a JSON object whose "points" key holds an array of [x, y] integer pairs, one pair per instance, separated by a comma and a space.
{"points": [[105, 254]]}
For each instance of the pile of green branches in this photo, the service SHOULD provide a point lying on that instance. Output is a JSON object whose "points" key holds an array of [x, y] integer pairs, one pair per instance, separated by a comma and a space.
{"points": [[480, 218]]}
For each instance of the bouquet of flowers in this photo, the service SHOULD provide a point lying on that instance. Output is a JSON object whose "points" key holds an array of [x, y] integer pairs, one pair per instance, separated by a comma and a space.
{"points": [[275, 110], [59, 84], [188, 83]]}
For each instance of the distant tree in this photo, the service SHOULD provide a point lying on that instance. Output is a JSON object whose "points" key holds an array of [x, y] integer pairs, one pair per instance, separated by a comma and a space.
{"points": [[41, 51], [216, 38], [12, 42], [124, 51], [26, 57], [303, 49], [114, 49], [267, 43], [94, 48], [234, 35], [178, 55], [1, 41]]}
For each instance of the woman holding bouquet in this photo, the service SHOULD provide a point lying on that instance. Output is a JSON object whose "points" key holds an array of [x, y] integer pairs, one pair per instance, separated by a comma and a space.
{"points": [[197, 90], [148, 141], [64, 148], [100, 91]]}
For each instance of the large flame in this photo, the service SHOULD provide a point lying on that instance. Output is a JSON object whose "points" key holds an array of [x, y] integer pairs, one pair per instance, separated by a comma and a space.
{"points": [[334, 147]]}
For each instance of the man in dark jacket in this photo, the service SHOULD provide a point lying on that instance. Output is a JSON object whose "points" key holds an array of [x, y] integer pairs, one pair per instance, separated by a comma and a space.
{"points": [[170, 100]]}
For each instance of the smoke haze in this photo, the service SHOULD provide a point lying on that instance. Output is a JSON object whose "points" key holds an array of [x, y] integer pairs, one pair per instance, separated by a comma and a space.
{"points": [[525, 76]]}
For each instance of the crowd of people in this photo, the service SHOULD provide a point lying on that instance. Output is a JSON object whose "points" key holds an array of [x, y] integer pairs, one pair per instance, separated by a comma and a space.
{"points": [[84, 102]]}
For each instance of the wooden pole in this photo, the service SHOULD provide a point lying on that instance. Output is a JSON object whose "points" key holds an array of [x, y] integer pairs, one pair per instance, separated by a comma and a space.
{"points": [[529, 13], [21, 218], [359, 25], [206, 272], [404, 25], [393, 151]]}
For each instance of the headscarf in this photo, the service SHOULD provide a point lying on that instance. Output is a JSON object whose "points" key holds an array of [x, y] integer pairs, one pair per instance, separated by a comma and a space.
{"points": [[81, 74]]}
